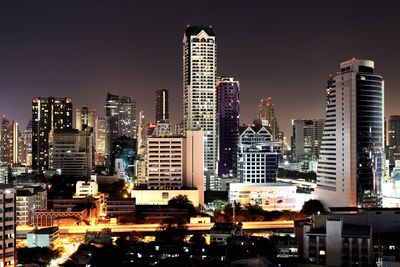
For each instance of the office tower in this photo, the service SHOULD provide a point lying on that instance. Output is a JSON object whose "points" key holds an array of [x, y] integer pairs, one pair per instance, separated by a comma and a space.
{"points": [[199, 95], [175, 161], [394, 139], [228, 125], [162, 105], [120, 118], [350, 162], [85, 118], [178, 128], [127, 117], [266, 113], [306, 140], [100, 143], [258, 155], [72, 152], [8, 229], [164, 162], [123, 155], [26, 145], [10, 141], [48, 114]]}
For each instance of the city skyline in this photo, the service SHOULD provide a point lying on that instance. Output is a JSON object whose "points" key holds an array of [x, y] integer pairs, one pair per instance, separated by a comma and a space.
{"points": [[99, 52]]}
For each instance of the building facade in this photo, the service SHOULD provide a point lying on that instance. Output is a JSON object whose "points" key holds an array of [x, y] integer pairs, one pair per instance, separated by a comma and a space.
{"points": [[199, 94], [8, 248], [228, 125], [10, 142], [85, 118], [48, 114], [100, 144], [394, 139], [72, 152], [350, 164]]}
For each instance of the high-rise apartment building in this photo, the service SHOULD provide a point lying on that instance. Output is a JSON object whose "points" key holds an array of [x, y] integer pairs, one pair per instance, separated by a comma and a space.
{"points": [[162, 105], [85, 118], [228, 125], [258, 155], [394, 139], [351, 159], [7, 230], [306, 140], [120, 118], [266, 113], [199, 94], [48, 114], [10, 142]]}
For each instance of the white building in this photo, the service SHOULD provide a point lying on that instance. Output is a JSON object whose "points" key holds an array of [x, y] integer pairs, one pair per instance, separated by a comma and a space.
{"points": [[269, 196], [45, 237], [351, 162], [84, 188], [174, 162], [8, 229], [199, 92], [161, 197], [258, 156]]}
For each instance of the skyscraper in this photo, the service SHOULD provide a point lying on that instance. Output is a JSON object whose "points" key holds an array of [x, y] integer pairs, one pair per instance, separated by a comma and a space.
{"points": [[350, 162], [48, 114], [394, 139], [199, 95], [266, 113], [306, 140], [120, 118], [85, 118], [26, 145], [228, 125], [100, 143], [162, 105], [10, 136]]}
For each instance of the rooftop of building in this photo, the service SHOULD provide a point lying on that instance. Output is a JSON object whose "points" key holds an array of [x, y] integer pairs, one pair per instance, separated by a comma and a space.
{"points": [[356, 210], [24, 193], [348, 230], [45, 231], [195, 30]]}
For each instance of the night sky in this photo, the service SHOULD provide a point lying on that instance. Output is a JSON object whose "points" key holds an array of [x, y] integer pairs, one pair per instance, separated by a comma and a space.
{"points": [[282, 49]]}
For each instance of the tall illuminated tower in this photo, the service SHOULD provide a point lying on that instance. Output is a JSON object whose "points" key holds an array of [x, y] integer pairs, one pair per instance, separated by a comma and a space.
{"points": [[85, 118], [48, 114], [350, 164], [10, 150], [199, 94]]}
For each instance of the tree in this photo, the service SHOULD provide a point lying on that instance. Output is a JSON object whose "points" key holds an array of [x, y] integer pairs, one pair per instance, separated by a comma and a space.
{"points": [[171, 234], [37, 255], [312, 206], [182, 202], [197, 239]]}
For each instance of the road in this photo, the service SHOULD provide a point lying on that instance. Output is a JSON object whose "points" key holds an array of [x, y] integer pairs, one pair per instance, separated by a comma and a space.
{"points": [[22, 230]]}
